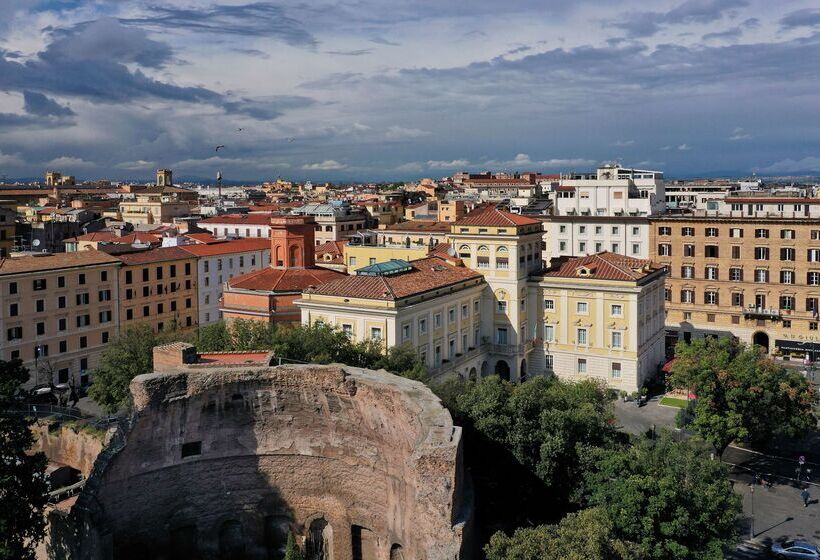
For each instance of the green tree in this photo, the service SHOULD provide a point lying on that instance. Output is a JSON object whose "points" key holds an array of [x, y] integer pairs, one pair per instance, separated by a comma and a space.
{"points": [[23, 486], [248, 336], [547, 424], [129, 355], [292, 551], [665, 497], [741, 394], [586, 535], [403, 360], [215, 337]]}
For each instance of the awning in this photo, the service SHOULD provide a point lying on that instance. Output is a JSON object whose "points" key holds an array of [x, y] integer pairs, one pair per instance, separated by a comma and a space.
{"points": [[797, 346]]}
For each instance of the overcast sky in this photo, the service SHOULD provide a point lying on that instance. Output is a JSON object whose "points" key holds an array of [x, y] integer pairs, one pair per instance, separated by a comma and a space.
{"points": [[383, 89]]}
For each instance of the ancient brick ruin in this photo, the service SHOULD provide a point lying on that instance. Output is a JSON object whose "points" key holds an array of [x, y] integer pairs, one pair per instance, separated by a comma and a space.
{"points": [[225, 455]]}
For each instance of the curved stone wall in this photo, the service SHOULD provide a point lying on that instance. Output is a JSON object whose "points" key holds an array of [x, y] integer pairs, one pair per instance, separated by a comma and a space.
{"points": [[223, 462]]}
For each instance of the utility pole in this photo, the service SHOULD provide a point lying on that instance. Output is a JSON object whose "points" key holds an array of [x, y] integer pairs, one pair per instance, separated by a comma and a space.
{"points": [[752, 527], [219, 188]]}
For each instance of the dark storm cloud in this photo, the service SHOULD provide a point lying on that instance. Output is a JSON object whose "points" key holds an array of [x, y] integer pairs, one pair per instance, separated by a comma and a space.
{"points": [[646, 24], [258, 19], [89, 61], [801, 18], [38, 104]]}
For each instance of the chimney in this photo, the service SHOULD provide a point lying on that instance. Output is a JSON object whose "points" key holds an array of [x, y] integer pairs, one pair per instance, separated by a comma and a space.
{"points": [[171, 357]]}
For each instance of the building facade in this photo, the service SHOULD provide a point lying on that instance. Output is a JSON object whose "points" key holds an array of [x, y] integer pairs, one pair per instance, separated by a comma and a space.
{"points": [[218, 263], [158, 288], [58, 313], [753, 273], [601, 317]]}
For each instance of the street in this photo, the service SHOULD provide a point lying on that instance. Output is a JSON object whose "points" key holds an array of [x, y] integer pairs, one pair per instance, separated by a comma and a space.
{"points": [[777, 513]]}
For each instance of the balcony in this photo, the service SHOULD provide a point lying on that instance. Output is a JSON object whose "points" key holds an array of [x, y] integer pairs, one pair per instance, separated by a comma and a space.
{"points": [[458, 360], [511, 349], [762, 313]]}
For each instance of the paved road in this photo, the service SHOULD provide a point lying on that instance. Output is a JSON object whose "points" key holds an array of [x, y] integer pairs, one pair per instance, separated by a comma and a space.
{"points": [[778, 512]]}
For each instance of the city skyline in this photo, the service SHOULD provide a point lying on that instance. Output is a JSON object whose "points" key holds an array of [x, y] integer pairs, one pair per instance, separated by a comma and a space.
{"points": [[379, 91]]}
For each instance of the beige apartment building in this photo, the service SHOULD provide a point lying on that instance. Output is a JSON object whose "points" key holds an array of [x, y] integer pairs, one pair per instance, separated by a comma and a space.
{"points": [[756, 277], [58, 313], [603, 318], [159, 288]]}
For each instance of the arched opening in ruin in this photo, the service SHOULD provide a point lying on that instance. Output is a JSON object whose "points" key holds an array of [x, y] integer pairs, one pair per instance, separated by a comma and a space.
{"points": [[277, 528], [184, 542], [473, 374], [319, 544], [396, 552], [502, 369], [485, 368], [523, 373], [364, 544], [231, 540]]}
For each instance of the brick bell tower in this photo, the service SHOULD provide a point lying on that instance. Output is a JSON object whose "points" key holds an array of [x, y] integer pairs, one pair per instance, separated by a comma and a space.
{"points": [[292, 242]]}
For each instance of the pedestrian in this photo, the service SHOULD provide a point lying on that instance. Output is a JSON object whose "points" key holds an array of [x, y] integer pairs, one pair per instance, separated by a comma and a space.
{"points": [[805, 497]]}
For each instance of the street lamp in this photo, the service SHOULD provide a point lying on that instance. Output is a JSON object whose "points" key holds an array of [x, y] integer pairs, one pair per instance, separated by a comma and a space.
{"points": [[752, 526]]}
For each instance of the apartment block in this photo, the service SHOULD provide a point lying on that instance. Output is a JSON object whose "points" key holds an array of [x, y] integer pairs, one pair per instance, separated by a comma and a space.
{"points": [[159, 288], [58, 313], [602, 317], [750, 270]]}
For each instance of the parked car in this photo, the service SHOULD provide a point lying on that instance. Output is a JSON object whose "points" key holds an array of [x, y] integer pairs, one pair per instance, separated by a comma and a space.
{"points": [[795, 550]]}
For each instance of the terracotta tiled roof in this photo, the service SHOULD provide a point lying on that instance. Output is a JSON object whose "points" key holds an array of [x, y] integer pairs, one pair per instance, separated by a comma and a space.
{"points": [[111, 237], [239, 219], [233, 357], [427, 274], [489, 215], [203, 237], [17, 265], [283, 279], [603, 266], [227, 247], [440, 250], [160, 254]]}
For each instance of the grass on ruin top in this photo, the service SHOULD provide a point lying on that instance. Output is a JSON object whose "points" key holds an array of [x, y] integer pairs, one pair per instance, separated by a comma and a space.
{"points": [[677, 403]]}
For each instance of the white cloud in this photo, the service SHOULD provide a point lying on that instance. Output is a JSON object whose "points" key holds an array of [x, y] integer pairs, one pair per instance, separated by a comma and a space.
{"points": [[524, 160], [138, 165], [400, 133], [410, 167], [69, 162], [452, 164], [326, 165], [684, 147], [666, 148], [12, 160], [811, 163], [623, 143], [739, 134]]}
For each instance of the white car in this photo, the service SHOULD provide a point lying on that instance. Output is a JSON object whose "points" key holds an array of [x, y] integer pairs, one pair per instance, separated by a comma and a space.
{"points": [[795, 550]]}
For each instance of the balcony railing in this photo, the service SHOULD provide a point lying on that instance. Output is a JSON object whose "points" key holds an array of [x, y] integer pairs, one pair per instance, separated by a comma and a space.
{"points": [[762, 312], [458, 360]]}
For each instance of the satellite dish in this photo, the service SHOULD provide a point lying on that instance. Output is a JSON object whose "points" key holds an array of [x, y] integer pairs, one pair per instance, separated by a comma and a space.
{"points": [[35, 243], [451, 251]]}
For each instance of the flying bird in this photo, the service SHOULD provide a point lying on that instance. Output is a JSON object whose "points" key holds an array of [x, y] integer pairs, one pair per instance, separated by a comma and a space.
{"points": [[220, 146], [291, 140], [240, 129]]}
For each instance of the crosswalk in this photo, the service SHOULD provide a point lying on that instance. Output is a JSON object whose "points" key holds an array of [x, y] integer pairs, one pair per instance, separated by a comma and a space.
{"points": [[748, 550]]}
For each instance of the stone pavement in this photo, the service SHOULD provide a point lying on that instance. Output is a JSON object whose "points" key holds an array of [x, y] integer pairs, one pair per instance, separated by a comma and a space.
{"points": [[634, 420]]}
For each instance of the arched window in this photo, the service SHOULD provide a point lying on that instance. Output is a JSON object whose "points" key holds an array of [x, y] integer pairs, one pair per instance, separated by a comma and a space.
{"points": [[294, 256], [464, 251], [501, 250]]}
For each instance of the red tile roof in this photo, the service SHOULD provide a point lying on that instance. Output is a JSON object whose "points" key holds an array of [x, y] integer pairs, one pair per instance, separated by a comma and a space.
{"points": [[603, 266], [48, 262], [203, 237], [428, 274], [333, 248], [111, 237], [233, 358], [283, 279], [419, 226], [489, 215], [160, 254], [240, 219], [227, 247]]}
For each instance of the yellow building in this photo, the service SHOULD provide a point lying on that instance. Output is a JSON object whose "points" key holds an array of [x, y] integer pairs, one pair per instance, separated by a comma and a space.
{"points": [[58, 312], [8, 216], [602, 318], [432, 304], [360, 256], [157, 205], [158, 287]]}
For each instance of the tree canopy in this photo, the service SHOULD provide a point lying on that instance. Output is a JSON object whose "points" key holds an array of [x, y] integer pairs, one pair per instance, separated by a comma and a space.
{"points": [[741, 394], [667, 498], [23, 486], [585, 535]]}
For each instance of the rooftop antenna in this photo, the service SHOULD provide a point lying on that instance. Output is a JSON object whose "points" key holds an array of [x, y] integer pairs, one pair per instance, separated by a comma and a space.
{"points": [[219, 188]]}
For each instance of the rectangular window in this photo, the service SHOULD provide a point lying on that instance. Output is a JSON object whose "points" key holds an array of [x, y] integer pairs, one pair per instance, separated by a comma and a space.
{"points": [[437, 320], [786, 234], [501, 307], [813, 255], [616, 370], [548, 362], [687, 296], [736, 274], [39, 284], [761, 234], [40, 305], [81, 279], [83, 320], [61, 281], [83, 299], [710, 297], [376, 333], [405, 332], [711, 273], [712, 232], [12, 288], [813, 278], [582, 307], [501, 336], [549, 333], [787, 277], [688, 250], [688, 232], [582, 365], [422, 326], [582, 337], [787, 303], [736, 251], [664, 230], [617, 310], [665, 250], [687, 271], [549, 305], [451, 315], [761, 253], [145, 275], [761, 275], [482, 261], [617, 339], [712, 252], [787, 253], [129, 277], [41, 329], [736, 232], [737, 299]]}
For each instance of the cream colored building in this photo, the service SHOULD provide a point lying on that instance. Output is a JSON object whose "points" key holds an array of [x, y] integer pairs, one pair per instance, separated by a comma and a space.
{"points": [[431, 304], [601, 317], [157, 205], [58, 313]]}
